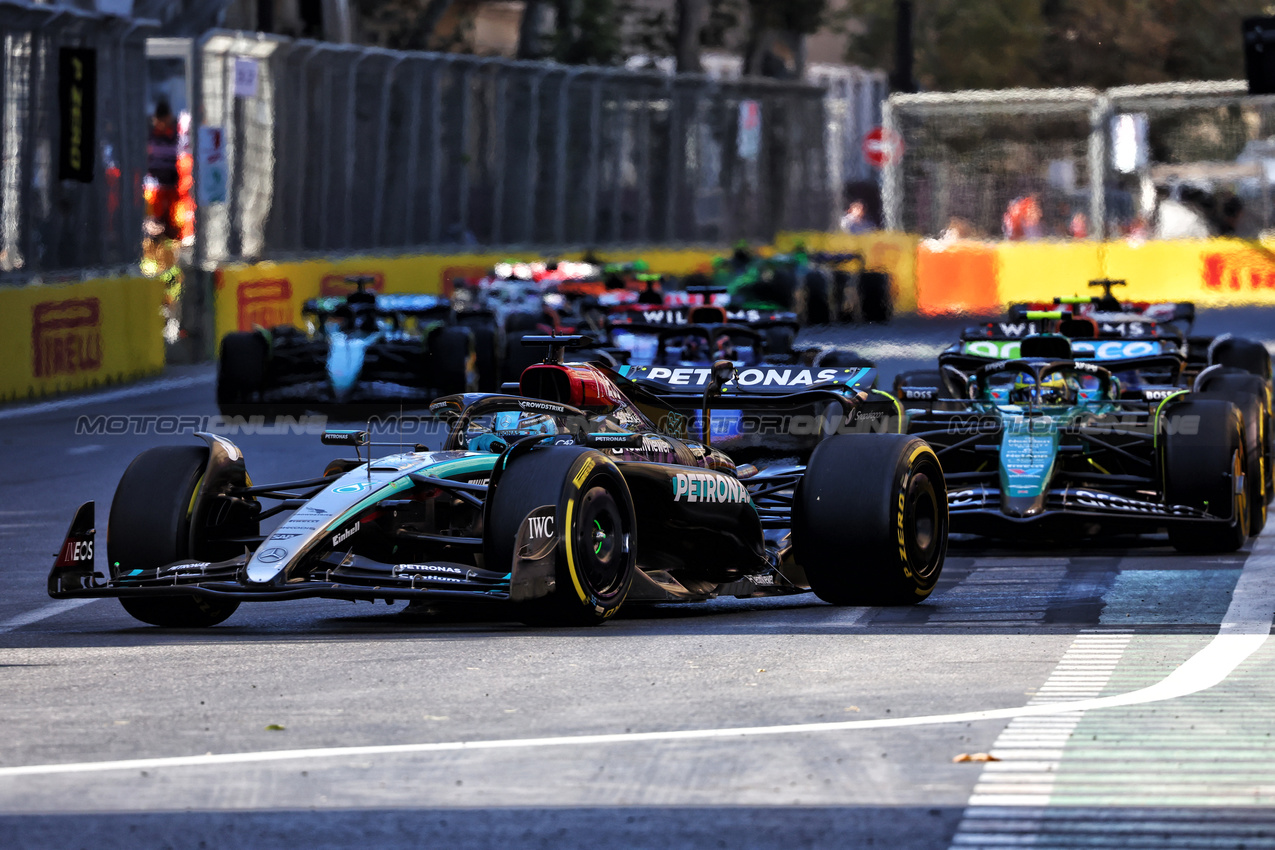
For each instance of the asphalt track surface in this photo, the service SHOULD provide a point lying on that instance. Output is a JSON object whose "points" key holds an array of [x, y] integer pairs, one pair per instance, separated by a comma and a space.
{"points": [[1124, 690]]}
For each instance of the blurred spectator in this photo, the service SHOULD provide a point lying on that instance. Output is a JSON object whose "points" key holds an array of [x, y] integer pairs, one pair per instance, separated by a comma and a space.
{"points": [[1230, 211], [856, 219], [1022, 218], [1184, 216], [1078, 227], [959, 228], [161, 171]]}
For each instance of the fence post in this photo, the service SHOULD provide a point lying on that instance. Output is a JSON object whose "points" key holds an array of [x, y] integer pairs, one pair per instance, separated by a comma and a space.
{"points": [[378, 203], [560, 196], [595, 118], [533, 161], [501, 146], [892, 182], [1099, 121], [413, 152], [351, 141]]}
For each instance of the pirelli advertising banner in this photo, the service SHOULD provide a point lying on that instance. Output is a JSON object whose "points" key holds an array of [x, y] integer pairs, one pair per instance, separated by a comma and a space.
{"points": [[57, 338], [982, 277], [77, 112]]}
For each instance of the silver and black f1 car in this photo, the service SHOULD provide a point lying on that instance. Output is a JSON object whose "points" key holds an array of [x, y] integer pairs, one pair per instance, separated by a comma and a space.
{"points": [[562, 502], [364, 346]]}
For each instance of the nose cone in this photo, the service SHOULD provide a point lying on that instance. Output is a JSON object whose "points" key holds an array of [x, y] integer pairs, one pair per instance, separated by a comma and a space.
{"points": [[1022, 507]]}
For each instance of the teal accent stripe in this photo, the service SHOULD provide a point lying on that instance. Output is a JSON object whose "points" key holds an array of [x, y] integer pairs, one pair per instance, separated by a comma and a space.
{"points": [[396, 486]]}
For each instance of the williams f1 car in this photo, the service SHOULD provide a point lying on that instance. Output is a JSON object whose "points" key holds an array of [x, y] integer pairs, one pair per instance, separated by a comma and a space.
{"points": [[583, 492]]}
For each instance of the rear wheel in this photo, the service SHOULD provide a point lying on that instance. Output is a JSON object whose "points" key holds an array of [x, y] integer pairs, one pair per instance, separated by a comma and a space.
{"points": [[486, 352], [883, 541], [1231, 380], [1204, 457], [588, 541], [875, 301], [1240, 353], [1255, 479], [150, 526], [450, 360], [779, 340], [241, 371]]}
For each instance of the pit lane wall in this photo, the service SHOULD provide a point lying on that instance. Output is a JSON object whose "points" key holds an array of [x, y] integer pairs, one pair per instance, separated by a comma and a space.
{"points": [[55, 338], [268, 294], [972, 277]]}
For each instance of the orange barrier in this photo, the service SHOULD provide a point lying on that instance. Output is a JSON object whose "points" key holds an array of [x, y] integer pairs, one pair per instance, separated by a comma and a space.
{"points": [[957, 277], [58, 338]]}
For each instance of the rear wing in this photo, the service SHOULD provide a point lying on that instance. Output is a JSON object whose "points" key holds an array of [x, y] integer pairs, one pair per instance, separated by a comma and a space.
{"points": [[767, 381]]}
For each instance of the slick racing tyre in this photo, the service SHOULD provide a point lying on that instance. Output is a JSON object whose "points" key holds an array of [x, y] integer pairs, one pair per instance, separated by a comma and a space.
{"points": [[518, 356], [1230, 380], [1203, 459], [1255, 481], [779, 340], [486, 352], [1240, 353], [881, 541], [241, 372], [450, 360], [150, 526], [875, 302], [573, 505]]}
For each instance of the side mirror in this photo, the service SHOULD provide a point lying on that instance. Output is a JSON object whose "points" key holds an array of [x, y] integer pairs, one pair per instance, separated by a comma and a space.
{"points": [[722, 373], [345, 438]]}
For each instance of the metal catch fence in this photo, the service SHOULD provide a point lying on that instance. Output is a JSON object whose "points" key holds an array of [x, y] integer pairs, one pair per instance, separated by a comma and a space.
{"points": [[1158, 161], [72, 140], [331, 148]]}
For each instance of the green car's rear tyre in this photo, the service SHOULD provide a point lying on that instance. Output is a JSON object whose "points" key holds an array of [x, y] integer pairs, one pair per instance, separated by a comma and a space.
{"points": [[882, 540], [241, 371], [1203, 457]]}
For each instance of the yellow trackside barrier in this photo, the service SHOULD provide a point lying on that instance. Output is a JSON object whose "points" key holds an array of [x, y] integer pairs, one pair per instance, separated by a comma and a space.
{"points": [[61, 337]]}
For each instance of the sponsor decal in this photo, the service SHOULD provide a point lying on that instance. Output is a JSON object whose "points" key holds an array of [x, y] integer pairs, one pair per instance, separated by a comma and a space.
{"points": [[342, 536], [585, 469], [77, 551], [920, 393], [1114, 349], [1159, 395], [749, 377], [1237, 271], [66, 337], [540, 527], [356, 487], [542, 406], [433, 569], [272, 556], [265, 303], [708, 487]]}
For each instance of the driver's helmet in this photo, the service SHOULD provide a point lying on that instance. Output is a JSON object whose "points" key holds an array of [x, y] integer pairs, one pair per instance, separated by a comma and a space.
{"points": [[525, 424], [726, 349], [1054, 389]]}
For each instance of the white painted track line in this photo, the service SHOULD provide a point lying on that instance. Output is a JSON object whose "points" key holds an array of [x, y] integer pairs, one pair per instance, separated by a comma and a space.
{"points": [[1244, 629], [61, 606], [145, 388]]}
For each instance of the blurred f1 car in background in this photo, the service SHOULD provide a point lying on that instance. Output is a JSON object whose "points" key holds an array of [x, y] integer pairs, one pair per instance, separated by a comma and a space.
{"points": [[817, 287], [583, 492], [360, 347], [1045, 444]]}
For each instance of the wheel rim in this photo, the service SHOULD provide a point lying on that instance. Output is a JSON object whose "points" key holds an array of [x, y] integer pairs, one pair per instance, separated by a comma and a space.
{"points": [[1241, 493], [601, 541], [922, 522]]}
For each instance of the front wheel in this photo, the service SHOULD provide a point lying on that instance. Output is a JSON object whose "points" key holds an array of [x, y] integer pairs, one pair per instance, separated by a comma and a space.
{"points": [[571, 509], [881, 541], [150, 526]]}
